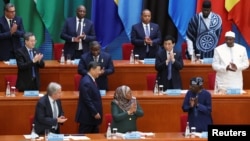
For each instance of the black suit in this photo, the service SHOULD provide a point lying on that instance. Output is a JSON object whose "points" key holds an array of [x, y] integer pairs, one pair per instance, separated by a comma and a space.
{"points": [[43, 118], [10, 43], [25, 80], [162, 70]]}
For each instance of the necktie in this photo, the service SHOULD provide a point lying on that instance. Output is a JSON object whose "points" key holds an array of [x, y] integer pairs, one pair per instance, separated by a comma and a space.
{"points": [[33, 69], [11, 22], [55, 113], [95, 59], [169, 70], [147, 35], [79, 32]]}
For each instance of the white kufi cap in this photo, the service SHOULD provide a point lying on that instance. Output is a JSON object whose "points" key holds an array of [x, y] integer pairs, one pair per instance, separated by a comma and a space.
{"points": [[230, 34]]}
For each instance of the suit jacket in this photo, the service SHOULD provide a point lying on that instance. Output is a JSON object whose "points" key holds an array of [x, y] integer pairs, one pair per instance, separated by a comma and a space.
{"points": [[24, 65], [138, 36], [69, 31], [106, 62], [89, 102], [43, 118], [162, 69], [10, 43]]}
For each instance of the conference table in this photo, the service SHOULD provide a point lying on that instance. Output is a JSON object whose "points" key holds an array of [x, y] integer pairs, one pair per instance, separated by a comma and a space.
{"points": [[133, 75], [161, 112], [175, 136]]}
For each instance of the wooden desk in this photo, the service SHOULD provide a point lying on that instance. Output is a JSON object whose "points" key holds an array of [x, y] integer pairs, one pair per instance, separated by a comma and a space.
{"points": [[133, 75], [100, 137], [161, 113]]}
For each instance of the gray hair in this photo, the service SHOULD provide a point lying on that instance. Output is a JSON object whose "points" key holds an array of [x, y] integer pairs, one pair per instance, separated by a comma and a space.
{"points": [[53, 87]]}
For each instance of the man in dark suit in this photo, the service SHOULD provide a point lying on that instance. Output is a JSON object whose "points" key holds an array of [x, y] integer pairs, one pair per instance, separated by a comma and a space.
{"points": [[103, 58], [146, 36], [49, 112], [77, 33], [89, 109], [168, 63], [29, 60], [11, 31]]}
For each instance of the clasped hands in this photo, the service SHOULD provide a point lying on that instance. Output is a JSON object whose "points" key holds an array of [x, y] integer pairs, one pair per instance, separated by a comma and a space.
{"points": [[170, 58], [13, 29], [193, 101], [79, 37], [231, 67], [148, 41], [132, 109], [38, 57], [61, 119]]}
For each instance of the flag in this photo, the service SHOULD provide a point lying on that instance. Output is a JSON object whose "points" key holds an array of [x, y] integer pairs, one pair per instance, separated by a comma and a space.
{"points": [[106, 20], [52, 14], [31, 19], [1, 7], [179, 17], [239, 13], [219, 8], [130, 13]]}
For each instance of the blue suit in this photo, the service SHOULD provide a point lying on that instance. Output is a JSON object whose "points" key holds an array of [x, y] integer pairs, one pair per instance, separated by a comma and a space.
{"points": [[43, 118], [10, 43], [89, 103], [199, 116], [162, 69], [106, 63], [138, 36], [69, 31]]}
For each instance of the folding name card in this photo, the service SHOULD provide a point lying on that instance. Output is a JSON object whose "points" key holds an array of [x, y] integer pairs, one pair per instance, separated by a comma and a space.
{"points": [[149, 60], [173, 91], [12, 62], [55, 137], [31, 93], [132, 135], [233, 91], [102, 92], [207, 60], [76, 61]]}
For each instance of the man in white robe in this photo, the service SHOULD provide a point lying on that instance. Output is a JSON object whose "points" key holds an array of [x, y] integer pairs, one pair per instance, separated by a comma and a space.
{"points": [[229, 60]]}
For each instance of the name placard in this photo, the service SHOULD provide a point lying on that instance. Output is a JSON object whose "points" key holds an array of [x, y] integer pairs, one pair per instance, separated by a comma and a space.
{"points": [[55, 137], [207, 60], [102, 92], [76, 61], [173, 91], [234, 91], [12, 62], [132, 135], [31, 93], [149, 60]]}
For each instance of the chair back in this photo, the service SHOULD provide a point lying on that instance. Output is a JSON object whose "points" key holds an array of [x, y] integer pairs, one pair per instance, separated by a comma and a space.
{"points": [[183, 122], [77, 79], [57, 49], [31, 121], [151, 81], [108, 119], [10, 78], [126, 50], [211, 80]]}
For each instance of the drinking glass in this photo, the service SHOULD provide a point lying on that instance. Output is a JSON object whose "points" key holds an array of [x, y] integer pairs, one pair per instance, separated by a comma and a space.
{"points": [[114, 133], [136, 58], [68, 59], [160, 89], [13, 91], [198, 58], [193, 130], [47, 131]]}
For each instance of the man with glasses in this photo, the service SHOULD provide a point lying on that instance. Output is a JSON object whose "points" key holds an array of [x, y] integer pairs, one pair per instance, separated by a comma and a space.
{"points": [[11, 31], [29, 60]]}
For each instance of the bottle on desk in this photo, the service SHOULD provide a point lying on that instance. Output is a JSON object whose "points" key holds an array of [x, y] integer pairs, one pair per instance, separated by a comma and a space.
{"points": [[33, 133], [187, 131], [7, 93], [156, 88], [132, 59], [108, 133], [193, 57], [62, 59]]}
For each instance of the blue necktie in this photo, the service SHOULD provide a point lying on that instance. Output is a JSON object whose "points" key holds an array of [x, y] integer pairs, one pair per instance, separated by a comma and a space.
{"points": [[33, 69], [55, 113], [169, 70], [147, 35]]}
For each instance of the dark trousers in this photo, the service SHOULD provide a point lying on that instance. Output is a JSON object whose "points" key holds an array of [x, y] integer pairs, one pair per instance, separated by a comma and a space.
{"points": [[87, 128], [78, 54]]}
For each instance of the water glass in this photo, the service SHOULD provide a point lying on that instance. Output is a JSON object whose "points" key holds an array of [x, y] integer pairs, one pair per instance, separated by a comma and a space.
{"points": [[13, 91], [161, 89], [47, 131], [193, 130], [114, 133], [198, 58], [68, 59], [136, 58]]}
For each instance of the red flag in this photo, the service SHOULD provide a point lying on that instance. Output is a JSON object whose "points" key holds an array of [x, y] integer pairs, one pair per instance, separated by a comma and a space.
{"points": [[218, 6], [239, 13]]}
